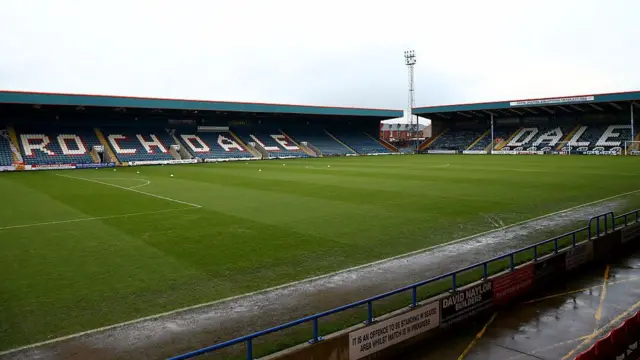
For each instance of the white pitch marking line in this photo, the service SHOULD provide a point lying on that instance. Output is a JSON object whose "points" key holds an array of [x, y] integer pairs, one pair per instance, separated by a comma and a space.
{"points": [[87, 219], [141, 185], [152, 317], [131, 189], [147, 182]]}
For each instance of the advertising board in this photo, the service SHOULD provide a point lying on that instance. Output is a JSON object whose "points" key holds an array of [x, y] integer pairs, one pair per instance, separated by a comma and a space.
{"points": [[162, 162], [7, 168], [603, 246], [578, 255], [448, 152], [474, 152], [517, 152], [564, 100], [228, 159], [50, 167], [630, 232], [95, 166], [552, 265], [465, 303], [371, 339], [512, 284]]}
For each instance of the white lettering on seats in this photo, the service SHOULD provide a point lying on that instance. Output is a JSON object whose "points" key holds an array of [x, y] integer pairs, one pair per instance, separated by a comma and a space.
{"points": [[113, 140], [526, 133], [190, 139], [285, 142], [80, 149], [228, 144], [29, 144], [611, 134], [550, 137], [153, 143], [576, 137], [268, 148]]}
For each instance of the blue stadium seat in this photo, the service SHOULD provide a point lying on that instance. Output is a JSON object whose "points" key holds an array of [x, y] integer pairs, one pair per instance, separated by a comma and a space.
{"points": [[6, 158], [66, 145], [318, 137], [538, 138], [128, 146], [594, 134], [360, 142], [498, 135], [456, 140], [275, 148], [213, 145]]}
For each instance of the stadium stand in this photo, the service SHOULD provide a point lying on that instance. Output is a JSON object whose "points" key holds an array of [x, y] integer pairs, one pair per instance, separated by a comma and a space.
{"points": [[272, 141], [538, 138], [213, 145], [147, 144], [595, 137], [457, 140], [320, 139], [60, 145], [360, 142], [6, 158], [484, 143]]}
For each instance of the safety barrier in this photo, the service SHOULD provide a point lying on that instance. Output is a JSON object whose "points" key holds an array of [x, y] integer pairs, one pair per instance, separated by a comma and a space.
{"points": [[603, 223]]}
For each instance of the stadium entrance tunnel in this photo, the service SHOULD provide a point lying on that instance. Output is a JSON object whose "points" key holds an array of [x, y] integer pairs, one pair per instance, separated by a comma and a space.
{"points": [[555, 307]]}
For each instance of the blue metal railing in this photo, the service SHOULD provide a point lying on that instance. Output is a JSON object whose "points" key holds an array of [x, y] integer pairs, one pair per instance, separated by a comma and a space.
{"points": [[572, 235]]}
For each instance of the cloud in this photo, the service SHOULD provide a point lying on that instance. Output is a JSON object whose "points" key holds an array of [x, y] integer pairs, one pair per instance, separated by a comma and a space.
{"points": [[343, 53]]}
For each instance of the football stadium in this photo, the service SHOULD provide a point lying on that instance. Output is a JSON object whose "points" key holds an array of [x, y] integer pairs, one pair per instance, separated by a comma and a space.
{"points": [[165, 226]]}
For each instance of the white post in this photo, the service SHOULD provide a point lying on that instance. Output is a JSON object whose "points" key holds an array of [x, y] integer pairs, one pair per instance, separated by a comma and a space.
{"points": [[492, 140], [633, 132]]}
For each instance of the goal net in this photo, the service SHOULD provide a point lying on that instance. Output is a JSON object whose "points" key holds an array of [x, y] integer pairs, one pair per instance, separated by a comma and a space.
{"points": [[632, 147]]}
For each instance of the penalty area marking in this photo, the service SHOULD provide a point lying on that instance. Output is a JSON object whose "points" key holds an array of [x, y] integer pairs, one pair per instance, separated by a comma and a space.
{"points": [[88, 219], [132, 189], [273, 288], [147, 182]]}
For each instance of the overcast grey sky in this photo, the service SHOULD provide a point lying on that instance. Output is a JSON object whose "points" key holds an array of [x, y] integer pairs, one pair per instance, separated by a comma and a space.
{"points": [[330, 52]]}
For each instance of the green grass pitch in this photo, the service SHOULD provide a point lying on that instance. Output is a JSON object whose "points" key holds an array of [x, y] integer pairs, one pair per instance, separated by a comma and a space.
{"points": [[71, 259]]}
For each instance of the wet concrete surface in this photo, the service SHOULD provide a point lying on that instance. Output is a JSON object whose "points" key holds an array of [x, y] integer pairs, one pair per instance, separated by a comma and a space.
{"points": [[171, 334], [557, 324]]}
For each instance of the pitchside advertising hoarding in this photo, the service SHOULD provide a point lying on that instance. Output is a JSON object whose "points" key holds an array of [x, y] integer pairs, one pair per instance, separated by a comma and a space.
{"points": [[578, 255], [95, 166], [551, 266], [512, 284], [630, 232], [603, 246], [446, 152], [50, 167], [162, 162], [371, 339], [465, 303]]}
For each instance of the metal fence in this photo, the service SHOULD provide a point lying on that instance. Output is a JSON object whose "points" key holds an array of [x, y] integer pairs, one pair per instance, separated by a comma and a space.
{"points": [[596, 226]]}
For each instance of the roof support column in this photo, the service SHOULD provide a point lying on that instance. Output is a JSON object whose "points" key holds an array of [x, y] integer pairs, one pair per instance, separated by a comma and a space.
{"points": [[492, 139], [633, 131]]}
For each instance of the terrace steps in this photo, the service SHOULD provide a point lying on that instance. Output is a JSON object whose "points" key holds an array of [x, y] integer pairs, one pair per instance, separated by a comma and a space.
{"points": [[505, 142], [430, 141], [567, 138], [255, 152], [384, 143], [478, 140], [107, 147], [95, 157], [306, 149], [340, 142], [15, 145]]}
